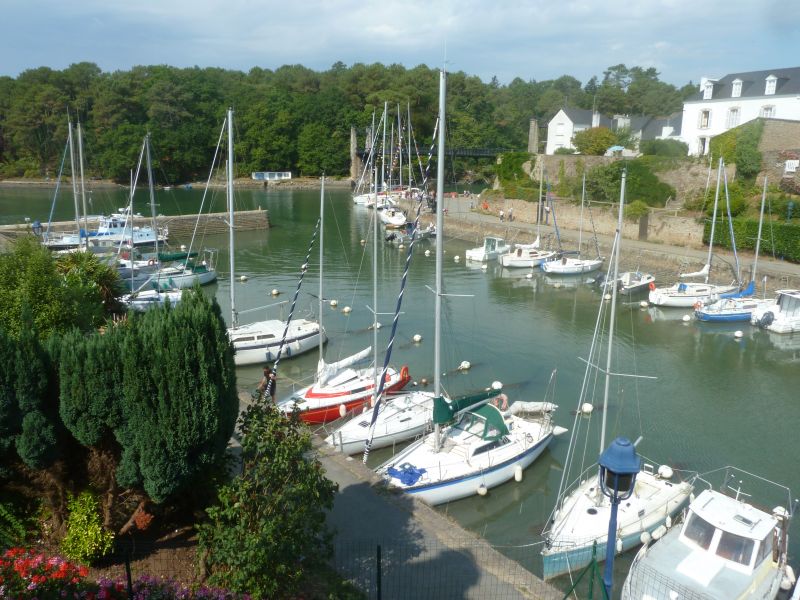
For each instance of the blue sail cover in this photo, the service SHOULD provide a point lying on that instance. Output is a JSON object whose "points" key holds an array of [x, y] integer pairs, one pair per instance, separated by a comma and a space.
{"points": [[746, 292]]}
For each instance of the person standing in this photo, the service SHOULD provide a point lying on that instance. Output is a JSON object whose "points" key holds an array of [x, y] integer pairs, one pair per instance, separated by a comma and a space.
{"points": [[510, 213], [268, 384], [502, 215]]}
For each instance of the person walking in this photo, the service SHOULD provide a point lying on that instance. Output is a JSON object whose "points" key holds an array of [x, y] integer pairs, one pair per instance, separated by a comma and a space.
{"points": [[510, 213], [502, 215]]}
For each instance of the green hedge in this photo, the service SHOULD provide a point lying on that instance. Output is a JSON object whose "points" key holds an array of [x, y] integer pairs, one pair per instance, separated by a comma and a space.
{"points": [[739, 146], [786, 237]]}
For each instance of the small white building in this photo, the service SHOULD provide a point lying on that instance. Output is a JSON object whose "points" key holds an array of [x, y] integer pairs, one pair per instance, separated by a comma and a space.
{"points": [[725, 103], [569, 121]]}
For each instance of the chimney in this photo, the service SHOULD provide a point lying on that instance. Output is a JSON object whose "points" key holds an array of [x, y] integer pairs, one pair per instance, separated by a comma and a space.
{"points": [[595, 119]]}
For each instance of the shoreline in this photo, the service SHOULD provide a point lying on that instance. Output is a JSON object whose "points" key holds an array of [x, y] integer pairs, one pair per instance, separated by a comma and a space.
{"points": [[242, 182]]}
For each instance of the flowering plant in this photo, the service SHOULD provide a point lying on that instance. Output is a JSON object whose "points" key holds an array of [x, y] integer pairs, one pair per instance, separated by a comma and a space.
{"points": [[25, 573]]}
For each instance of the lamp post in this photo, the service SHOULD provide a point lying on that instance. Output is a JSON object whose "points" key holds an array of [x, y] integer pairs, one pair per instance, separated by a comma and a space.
{"points": [[619, 465]]}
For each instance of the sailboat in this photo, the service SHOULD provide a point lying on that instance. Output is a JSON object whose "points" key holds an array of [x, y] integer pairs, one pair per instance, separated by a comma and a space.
{"points": [[728, 547], [338, 387], [737, 306], [475, 445], [581, 515], [568, 265], [687, 294], [261, 341]]}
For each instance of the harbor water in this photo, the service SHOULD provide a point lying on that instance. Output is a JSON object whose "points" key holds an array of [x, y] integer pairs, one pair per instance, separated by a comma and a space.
{"points": [[716, 400]]}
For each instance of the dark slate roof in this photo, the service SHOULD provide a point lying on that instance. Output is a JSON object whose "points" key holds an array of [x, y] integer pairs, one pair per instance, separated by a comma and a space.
{"points": [[652, 129], [582, 116], [753, 83]]}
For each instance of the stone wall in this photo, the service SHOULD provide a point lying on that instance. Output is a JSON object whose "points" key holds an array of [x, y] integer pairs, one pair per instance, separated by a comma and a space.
{"points": [[779, 142]]}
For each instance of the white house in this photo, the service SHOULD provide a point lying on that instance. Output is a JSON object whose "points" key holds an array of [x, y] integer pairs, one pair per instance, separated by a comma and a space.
{"points": [[722, 104], [569, 121]]}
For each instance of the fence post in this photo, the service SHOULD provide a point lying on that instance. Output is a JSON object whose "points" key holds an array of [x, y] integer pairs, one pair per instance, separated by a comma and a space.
{"points": [[378, 572], [128, 573]]}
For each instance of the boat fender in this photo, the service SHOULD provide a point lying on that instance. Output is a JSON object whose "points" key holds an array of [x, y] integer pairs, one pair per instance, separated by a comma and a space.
{"points": [[659, 532], [482, 490], [652, 286], [618, 545], [151, 262], [665, 472], [668, 522], [342, 410], [788, 580], [646, 538], [518, 473]]}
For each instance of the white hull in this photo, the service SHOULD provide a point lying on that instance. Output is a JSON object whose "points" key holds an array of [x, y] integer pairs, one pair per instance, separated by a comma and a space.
{"points": [[571, 266], [633, 282], [781, 315], [582, 520], [147, 299], [257, 343], [492, 249], [392, 217], [686, 295], [525, 258], [180, 278], [401, 418]]}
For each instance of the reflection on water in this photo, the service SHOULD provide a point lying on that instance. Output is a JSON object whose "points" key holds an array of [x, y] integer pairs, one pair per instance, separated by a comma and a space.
{"points": [[718, 400]]}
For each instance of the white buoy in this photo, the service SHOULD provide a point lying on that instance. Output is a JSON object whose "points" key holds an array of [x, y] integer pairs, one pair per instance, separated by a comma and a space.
{"points": [[482, 490], [334, 303], [646, 538], [427, 252], [464, 366], [484, 266], [738, 334], [456, 258], [342, 410], [557, 284], [183, 247], [363, 242], [417, 338], [529, 276], [243, 278], [665, 472], [586, 408], [424, 381], [401, 246], [346, 310], [686, 318], [644, 304], [607, 297], [275, 292], [518, 473], [496, 385]]}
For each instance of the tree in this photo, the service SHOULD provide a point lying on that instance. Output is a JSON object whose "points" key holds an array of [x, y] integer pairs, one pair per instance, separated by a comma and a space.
{"points": [[594, 141], [267, 530]]}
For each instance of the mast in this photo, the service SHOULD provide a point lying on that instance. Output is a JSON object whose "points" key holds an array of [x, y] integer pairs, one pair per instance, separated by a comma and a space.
{"points": [[83, 186], [74, 183], [152, 196], [408, 144], [400, 145], [321, 245], [383, 152], [234, 316], [437, 342], [612, 318], [760, 223], [714, 218], [580, 224]]}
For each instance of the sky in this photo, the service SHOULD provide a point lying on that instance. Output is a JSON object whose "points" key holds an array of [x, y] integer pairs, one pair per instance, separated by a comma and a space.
{"points": [[529, 39]]}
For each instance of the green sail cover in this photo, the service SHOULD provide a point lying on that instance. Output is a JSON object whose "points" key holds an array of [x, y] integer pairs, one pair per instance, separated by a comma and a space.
{"points": [[444, 412], [495, 425], [172, 256]]}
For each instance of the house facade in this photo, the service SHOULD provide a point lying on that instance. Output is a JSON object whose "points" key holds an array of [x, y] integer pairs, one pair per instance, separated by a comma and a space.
{"points": [[569, 121], [725, 103]]}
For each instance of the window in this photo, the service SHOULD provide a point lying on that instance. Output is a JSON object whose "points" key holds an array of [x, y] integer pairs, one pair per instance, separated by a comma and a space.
{"points": [[708, 91], [768, 112], [699, 531], [772, 81], [791, 166], [702, 146], [735, 547], [733, 118], [765, 549], [705, 119], [736, 91]]}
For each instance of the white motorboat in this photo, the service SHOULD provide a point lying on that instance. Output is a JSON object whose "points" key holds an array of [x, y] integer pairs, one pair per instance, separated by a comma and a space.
{"points": [[266, 340], [781, 315], [393, 217], [634, 282], [146, 299], [726, 549], [492, 248], [528, 256], [581, 515]]}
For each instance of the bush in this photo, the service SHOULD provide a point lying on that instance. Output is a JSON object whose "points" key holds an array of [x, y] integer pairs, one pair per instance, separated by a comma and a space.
{"points": [[564, 151], [594, 141], [636, 210], [603, 182], [667, 148], [784, 243], [12, 528], [739, 146], [86, 540]]}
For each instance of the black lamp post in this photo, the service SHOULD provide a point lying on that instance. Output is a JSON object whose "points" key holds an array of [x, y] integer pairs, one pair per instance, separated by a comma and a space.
{"points": [[619, 465]]}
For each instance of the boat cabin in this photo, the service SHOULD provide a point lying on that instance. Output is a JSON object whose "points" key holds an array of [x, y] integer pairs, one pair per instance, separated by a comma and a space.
{"points": [[788, 303], [491, 244]]}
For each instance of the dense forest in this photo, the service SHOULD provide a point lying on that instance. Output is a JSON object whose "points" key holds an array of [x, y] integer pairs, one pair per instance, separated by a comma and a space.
{"points": [[292, 118]]}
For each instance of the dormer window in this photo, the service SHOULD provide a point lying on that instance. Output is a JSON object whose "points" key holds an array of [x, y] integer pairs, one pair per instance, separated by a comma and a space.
{"points": [[772, 81], [708, 91], [736, 90]]}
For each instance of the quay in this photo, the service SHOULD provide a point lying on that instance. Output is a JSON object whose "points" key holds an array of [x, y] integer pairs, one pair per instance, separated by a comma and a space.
{"points": [[180, 226]]}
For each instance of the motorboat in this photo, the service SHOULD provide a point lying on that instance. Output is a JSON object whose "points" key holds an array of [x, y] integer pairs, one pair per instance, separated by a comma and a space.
{"points": [[634, 282], [492, 248], [782, 315]]}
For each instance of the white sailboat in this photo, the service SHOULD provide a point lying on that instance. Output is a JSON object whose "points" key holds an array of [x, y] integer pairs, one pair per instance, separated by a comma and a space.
{"points": [[686, 294], [581, 515], [528, 256], [569, 265], [481, 447], [260, 341], [727, 548]]}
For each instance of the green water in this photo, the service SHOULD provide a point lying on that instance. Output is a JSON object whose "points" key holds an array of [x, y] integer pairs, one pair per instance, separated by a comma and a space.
{"points": [[717, 401]]}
